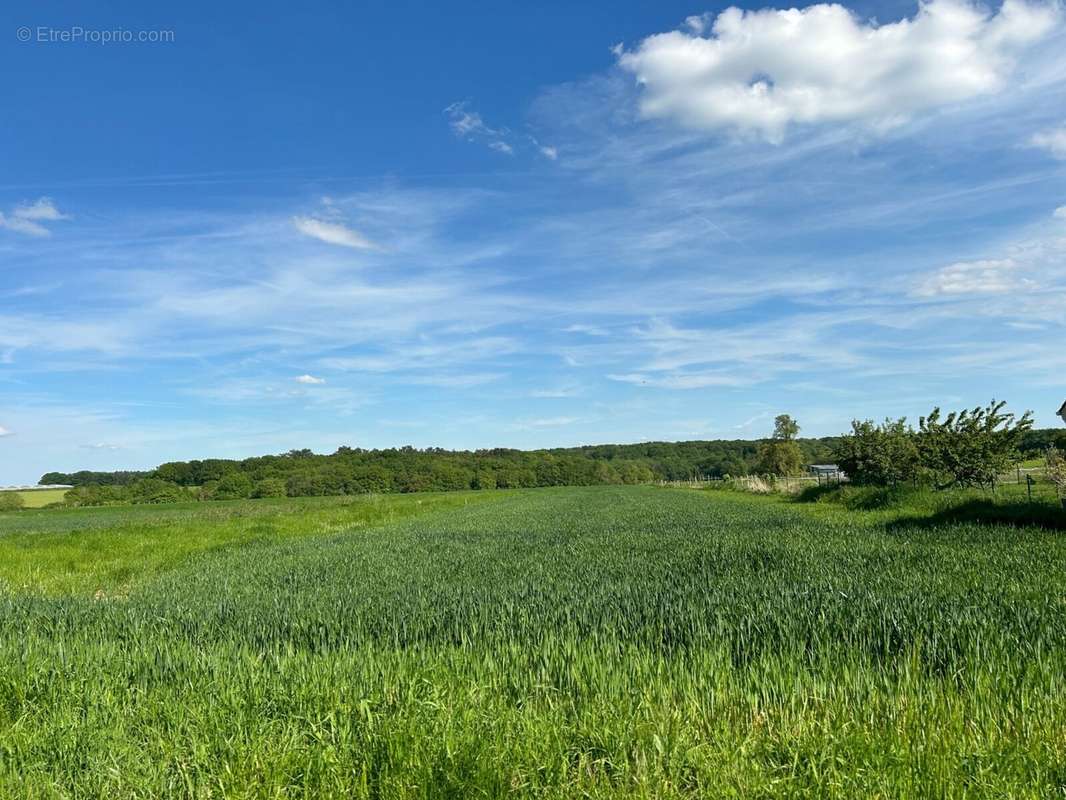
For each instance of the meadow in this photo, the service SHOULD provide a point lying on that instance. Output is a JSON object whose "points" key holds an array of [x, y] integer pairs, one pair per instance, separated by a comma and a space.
{"points": [[575, 642], [39, 498]]}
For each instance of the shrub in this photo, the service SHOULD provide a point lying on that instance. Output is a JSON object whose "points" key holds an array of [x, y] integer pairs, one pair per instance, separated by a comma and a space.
{"points": [[270, 487], [972, 447], [153, 490], [234, 486], [11, 501], [1056, 469], [878, 455]]}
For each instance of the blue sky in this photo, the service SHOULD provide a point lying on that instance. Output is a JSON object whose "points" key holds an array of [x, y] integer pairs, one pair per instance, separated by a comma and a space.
{"points": [[519, 224]]}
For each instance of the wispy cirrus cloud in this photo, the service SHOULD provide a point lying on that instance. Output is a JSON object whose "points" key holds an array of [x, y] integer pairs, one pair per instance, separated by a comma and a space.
{"points": [[332, 233], [469, 125], [987, 276]]}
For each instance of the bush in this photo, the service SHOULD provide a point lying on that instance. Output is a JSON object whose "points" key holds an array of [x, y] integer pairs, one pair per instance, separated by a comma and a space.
{"points": [[11, 501], [93, 495], [1056, 469], [878, 455], [970, 448], [153, 490], [270, 487], [234, 486]]}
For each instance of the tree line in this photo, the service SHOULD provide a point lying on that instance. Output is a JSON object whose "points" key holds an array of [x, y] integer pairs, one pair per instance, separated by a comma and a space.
{"points": [[964, 448], [968, 448]]}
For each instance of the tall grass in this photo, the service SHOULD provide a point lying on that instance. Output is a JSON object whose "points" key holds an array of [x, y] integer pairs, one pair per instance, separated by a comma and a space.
{"points": [[602, 642]]}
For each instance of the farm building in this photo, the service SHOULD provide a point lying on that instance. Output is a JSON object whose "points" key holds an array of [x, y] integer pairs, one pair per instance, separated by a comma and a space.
{"points": [[1062, 412], [830, 472]]}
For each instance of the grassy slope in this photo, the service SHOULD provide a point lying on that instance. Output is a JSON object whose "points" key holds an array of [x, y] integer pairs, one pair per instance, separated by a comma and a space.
{"points": [[38, 498], [606, 641], [107, 550]]}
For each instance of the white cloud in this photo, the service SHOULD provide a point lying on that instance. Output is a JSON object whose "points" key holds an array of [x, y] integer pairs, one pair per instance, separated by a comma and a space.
{"points": [[5, 432], [761, 71], [28, 218], [546, 422], [469, 125], [681, 380], [43, 209], [1059, 213], [986, 276], [332, 233], [465, 123], [102, 446], [1053, 140], [310, 380]]}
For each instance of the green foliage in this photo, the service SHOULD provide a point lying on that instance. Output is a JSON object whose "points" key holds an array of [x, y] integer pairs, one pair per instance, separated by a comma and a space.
{"points": [[880, 455], [153, 490], [781, 455], [85, 477], [971, 447], [785, 428], [270, 487], [1055, 468], [234, 486], [94, 495], [11, 501], [353, 471], [603, 643]]}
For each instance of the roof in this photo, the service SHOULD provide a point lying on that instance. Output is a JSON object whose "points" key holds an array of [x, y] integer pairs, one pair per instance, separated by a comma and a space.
{"points": [[824, 467], [1062, 411]]}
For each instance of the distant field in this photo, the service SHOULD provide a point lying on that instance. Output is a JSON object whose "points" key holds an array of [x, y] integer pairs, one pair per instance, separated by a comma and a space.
{"points": [[37, 498], [598, 642]]}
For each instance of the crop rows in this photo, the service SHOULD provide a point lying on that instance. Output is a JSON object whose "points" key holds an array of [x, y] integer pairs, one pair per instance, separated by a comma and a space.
{"points": [[601, 642]]}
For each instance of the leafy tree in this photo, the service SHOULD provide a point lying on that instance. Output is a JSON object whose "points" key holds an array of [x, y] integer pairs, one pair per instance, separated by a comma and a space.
{"points": [[234, 486], [93, 495], [1056, 469], [879, 455], [270, 487], [153, 490], [11, 501], [780, 455], [785, 428], [971, 447]]}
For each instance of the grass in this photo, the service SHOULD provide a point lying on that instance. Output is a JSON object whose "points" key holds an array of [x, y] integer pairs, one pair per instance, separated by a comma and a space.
{"points": [[593, 642], [109, 550], [39, 498]]}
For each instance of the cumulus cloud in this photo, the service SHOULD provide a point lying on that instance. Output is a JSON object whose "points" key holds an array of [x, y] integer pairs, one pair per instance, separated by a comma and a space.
{"points": [[5, 432], [332, 233], [1054, 141], [310, 380], [29, 218], [986, 276], [761, 71], [1059, 213]]}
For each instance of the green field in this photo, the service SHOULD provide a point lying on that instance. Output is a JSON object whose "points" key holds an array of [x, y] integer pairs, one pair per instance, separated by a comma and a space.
{"points": [[585, 642], [38, 498]]}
